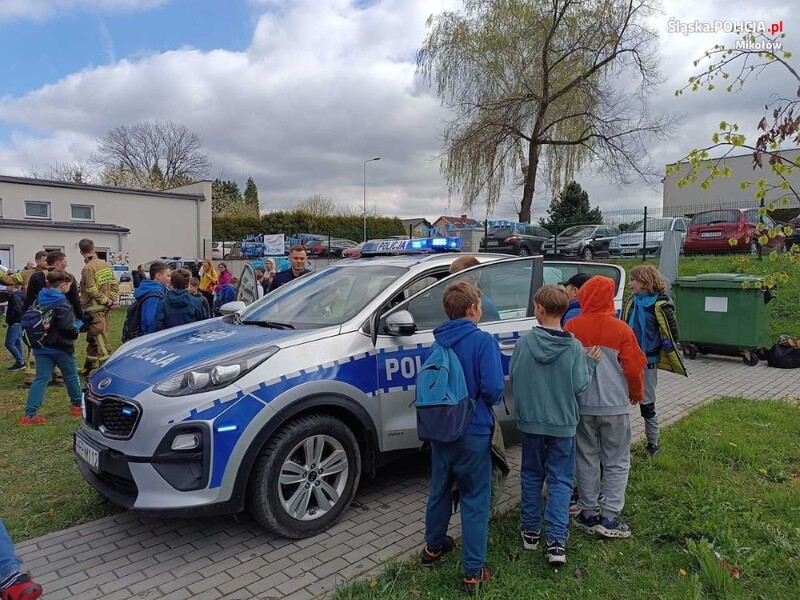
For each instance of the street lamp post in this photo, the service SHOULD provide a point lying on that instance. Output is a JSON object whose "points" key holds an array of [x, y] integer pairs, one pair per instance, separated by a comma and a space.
{"points": [[365, 194]]}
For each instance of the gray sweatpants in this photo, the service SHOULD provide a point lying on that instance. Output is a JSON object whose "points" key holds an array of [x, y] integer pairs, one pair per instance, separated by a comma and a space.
{"points": [[603, 441], [648, 407]]}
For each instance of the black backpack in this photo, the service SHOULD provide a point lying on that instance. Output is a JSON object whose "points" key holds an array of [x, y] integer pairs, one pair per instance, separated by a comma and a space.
{"points": [[785, 354], [35, 326], [132, 328]]}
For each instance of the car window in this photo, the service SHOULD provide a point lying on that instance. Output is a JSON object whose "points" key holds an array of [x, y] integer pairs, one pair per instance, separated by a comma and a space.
{"points": [[751, 217], [506, 287], [680, 225], [247, 286], [555, 273], [769, 222]]}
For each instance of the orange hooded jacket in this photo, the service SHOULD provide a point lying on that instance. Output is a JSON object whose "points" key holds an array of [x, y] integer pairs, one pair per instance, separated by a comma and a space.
{"points": [[597, 325]]}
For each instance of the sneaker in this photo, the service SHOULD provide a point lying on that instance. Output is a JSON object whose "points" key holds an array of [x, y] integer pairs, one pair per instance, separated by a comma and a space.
{"points": [[653, 449], [530, 539], [17, 367], [473, 584], [613, 528], [36, 420], [428, 557], [556, 553], [586, 523], [22, 587], [76, 411]]}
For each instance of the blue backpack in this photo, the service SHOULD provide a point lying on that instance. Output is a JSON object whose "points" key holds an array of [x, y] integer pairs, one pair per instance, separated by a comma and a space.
{"points": [[444, 408], [35, 326]]}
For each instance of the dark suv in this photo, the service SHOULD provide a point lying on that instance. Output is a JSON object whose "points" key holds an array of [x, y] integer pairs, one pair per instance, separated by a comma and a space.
{"points": [[526, 241], [586, 241]]}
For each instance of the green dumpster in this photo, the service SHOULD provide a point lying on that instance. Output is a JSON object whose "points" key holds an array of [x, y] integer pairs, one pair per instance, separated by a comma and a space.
{"points": [[723, 313]]}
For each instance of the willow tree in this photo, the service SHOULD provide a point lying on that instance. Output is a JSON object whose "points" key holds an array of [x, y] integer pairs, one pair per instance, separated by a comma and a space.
{"points": [[543, 85]]}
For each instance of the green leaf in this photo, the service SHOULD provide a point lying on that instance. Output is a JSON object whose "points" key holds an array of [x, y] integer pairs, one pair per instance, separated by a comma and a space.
{"points": [[744, 185], [715, 138]]}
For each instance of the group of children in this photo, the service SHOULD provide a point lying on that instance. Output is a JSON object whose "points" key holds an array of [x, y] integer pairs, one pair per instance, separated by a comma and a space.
{"points": [[574, 379]]}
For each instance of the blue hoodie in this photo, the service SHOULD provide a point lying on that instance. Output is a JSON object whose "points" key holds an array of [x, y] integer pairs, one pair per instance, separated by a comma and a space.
{"points": [[61, 336], [226, 293], [148, 320], [573, 310], [479, 355]]}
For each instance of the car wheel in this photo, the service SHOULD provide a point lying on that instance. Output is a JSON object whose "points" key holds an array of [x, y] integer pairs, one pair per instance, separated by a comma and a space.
{"points": [[305, 477], [587, 253], [523, 251]]}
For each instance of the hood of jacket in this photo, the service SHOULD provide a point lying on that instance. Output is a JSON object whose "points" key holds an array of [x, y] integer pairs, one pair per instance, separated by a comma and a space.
{"points": [[545, 347], [227, 286], [596, 296], [178, 299], [51, 297], [450, 333], [148, 286]]}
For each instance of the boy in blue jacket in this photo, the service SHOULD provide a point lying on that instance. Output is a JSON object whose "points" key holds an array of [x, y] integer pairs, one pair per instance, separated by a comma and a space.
{"points": [[151, 292], [468, 460], [178, 307], [548, 370], [227, 293]]}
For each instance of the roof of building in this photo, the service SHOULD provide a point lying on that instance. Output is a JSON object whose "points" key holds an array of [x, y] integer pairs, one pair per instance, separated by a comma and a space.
{"points": [[98, 188], [68, 225], [458, 221], [416, 221]]}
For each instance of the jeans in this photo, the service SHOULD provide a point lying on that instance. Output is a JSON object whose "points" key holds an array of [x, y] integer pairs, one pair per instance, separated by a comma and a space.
{"points": [[551, 459], [468, 462], [14, 342], [46, 363], [9, 563]]}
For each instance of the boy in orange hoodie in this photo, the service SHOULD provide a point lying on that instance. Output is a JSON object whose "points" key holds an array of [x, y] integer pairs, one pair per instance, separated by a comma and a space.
{"points": [[603, 438]]}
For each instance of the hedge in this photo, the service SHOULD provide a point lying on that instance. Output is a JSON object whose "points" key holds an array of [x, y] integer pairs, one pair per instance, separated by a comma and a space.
{"points": [[290, 223]]}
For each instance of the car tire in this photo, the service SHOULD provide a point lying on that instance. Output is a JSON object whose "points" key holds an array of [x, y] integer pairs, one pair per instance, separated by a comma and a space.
{"points": [[587, 253], [268, 499], [523, 251]]}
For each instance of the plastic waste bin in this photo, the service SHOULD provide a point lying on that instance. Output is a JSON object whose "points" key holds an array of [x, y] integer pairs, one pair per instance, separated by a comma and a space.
{"points": [[723, 313]]}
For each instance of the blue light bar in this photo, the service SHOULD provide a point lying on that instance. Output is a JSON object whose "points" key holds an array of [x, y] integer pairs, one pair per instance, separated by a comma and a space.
{"points": [[226, 428], [412, 246]]}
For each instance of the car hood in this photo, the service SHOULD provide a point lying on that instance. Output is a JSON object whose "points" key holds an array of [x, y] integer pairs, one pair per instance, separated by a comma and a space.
{"points": [[152, 360], [634, 238]]}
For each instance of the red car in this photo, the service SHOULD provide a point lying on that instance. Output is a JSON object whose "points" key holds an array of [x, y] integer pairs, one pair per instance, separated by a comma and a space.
{"points": [[711, 231], [354, 252]]}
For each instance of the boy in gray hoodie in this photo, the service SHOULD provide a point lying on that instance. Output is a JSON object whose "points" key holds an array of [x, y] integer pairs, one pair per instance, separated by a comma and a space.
{"points": [[548, 370]]}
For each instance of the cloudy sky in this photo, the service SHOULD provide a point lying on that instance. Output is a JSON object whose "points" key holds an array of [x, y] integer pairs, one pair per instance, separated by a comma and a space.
{"points": [[298, 93]]}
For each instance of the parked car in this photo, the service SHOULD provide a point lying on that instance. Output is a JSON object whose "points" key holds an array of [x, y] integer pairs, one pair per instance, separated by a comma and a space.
{"points": [[222, 250], [711, 231], [793, 239], [505, 240], [354, 252], [314, 382], [586, 241], [630, 243], [325, 247], [176, 262]]}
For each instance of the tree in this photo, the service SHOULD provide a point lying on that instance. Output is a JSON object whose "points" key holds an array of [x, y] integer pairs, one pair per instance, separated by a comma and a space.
{"points": [[317, 205], [780, 126], [536, 83], [224, 194], [251, 194], [71, 172], [571, 207], [130, 154]]}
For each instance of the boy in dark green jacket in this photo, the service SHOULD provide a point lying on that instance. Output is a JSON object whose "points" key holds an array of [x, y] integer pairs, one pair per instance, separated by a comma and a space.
{"points": [[548, 371]]}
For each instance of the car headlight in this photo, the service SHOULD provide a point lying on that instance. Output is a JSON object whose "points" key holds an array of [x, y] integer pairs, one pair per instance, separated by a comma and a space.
{"points": [[215, 374]]}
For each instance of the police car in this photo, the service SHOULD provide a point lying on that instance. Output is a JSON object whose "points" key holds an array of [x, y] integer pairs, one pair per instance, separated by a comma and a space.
{"points": [[282, 406]]}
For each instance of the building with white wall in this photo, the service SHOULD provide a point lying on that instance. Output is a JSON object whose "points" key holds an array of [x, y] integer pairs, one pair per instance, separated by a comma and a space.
{"points": [[38, 215], [725, 191]]}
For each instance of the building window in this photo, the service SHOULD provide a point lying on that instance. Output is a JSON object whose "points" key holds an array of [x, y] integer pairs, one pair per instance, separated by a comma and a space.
{"points": [[37, 210], [82, 212], [53, 248], [1, 208]]}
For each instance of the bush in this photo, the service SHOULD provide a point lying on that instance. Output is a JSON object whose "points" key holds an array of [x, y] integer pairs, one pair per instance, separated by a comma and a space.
{"points": [[289, 223]]}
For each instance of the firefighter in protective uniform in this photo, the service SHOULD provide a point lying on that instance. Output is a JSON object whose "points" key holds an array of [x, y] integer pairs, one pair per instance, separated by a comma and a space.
{"points": [[99, 295]]}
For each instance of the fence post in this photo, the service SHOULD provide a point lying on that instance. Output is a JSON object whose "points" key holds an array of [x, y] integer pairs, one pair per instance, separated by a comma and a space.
{"points": [[758, 233], [329, 245], [644, 236], [410, 230], [485, 236]]}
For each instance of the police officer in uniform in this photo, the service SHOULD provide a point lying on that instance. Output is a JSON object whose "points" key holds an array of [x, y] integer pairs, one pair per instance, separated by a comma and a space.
{"points": [[99, 295]]}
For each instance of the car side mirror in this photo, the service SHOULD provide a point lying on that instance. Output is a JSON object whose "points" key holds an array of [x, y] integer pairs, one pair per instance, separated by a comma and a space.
{"points": [[400, 323], [232, 307]]}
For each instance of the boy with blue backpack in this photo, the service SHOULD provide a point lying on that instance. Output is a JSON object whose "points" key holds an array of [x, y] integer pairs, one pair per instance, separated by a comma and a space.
{"points": [[458, 385]]}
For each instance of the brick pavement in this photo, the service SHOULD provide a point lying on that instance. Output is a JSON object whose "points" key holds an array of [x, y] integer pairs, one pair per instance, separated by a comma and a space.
{"points": [[131, 556]]}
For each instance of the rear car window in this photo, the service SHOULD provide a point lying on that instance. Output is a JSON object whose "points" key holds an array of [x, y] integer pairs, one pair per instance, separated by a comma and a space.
{"points": [[716, 216]]}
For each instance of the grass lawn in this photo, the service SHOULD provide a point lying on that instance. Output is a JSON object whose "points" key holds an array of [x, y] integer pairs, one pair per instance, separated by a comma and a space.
{"points": [[726, 481], [42, 490]]}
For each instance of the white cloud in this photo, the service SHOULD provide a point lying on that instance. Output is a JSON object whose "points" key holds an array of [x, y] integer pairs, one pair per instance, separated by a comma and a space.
{"points": [[322, 87], [42, 9]]}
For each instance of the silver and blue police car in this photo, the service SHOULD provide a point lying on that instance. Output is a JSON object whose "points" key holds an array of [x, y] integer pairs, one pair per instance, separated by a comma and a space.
{"points": [[281, 407]]}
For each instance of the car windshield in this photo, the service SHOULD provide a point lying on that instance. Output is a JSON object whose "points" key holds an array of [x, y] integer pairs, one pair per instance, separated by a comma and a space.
{"points": [[652, 225], [578, 231], [331, 296], [716, 216]]}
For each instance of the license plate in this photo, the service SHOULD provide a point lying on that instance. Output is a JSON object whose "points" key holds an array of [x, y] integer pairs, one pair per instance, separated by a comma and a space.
{"points": [[492, 243], [711, 234], [88, 453]]}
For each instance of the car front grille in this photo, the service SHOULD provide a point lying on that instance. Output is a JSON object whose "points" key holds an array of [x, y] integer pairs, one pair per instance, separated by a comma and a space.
{"points": [[113, 417], [121, 485]]}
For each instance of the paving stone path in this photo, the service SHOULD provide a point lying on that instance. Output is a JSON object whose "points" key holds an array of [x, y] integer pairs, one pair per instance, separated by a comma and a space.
{"points": [[131, 556]]}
